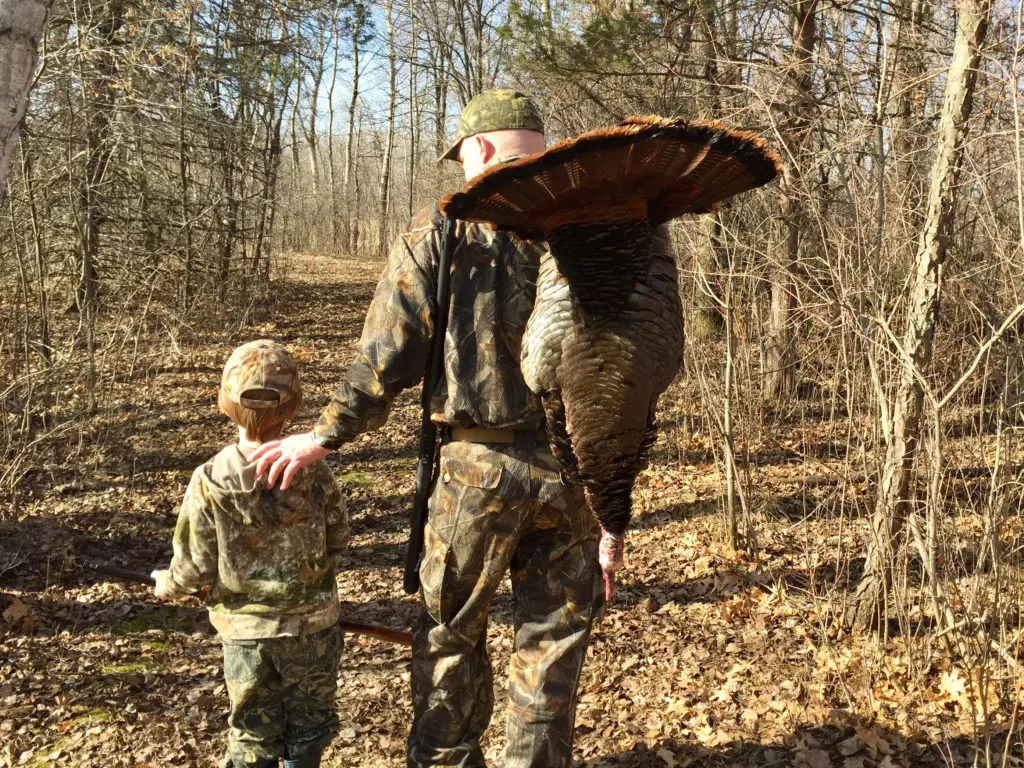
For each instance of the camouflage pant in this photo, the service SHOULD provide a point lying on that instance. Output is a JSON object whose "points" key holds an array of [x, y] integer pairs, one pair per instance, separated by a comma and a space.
{"points": [[282, 695], [499, 508]]}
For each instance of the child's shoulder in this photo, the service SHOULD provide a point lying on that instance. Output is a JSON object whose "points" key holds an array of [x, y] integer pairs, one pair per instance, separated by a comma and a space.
{"points": [[229, 469]]}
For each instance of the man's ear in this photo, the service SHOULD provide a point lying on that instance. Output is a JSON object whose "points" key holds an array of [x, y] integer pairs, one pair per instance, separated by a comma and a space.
{"points": [[484, 148]]}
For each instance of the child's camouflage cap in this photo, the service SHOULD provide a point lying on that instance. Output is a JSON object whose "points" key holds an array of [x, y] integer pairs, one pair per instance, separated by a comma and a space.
{"points": [[260, 374], [499, 110]]}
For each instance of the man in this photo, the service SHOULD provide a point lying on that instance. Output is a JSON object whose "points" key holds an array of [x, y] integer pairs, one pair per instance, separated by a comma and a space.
{"points": [[499, 504]]}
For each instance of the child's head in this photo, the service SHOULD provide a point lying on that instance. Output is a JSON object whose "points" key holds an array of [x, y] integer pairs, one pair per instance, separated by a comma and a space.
{"points": [[260, 390]]}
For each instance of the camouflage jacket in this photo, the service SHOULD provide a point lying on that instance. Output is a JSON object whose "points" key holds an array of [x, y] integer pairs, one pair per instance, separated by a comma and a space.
{"points": [[268, 556], [493, 285]]}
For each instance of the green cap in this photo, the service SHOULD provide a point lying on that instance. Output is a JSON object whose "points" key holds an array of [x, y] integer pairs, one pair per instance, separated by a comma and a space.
{"points": [[499, 110]]}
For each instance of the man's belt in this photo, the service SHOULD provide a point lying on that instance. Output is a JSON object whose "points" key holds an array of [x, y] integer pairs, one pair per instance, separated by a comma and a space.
{"points": [[488, 435]]}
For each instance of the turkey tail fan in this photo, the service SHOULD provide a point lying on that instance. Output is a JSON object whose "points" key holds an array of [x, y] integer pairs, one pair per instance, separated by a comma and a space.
{"points": [[645, 167]]}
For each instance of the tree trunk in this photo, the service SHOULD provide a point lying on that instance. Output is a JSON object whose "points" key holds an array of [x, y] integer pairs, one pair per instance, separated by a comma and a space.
{"points": [[42, 294], [21, 27], [262, 245], [781, 352], [335, 40], [892, 502], [289, 234], [414, 124], [268, 206], [384, 190], [440, 107], [351, 210], [1014, 378], [909, 84], [706, 317], [706, 320], [357, 201], [184, 174], [324, 39], [440, 99], [100, 97], [228, 218], [312, 140]]}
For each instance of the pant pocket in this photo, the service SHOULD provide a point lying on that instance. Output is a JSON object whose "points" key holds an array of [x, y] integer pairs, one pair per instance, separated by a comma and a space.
{"points": [[433, 571]]}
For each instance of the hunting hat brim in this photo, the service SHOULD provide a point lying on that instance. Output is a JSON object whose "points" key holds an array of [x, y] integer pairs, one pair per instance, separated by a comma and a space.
{"points": [[452, 153]]}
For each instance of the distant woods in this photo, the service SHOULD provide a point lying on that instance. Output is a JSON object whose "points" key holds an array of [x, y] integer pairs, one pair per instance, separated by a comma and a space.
{"points": [[174, 155]]}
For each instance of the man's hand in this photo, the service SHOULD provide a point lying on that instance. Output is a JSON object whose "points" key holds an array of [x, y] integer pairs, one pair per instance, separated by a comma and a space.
{"points": [[162, 589], [283, 458], [610, 554]]}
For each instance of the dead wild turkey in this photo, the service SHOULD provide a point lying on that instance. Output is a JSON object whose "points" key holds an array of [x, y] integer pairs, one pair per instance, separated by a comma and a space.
{"points": [[605, 338]]}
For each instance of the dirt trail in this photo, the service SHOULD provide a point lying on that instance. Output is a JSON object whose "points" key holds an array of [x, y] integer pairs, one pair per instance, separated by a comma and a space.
{"points": [[705, 658]]}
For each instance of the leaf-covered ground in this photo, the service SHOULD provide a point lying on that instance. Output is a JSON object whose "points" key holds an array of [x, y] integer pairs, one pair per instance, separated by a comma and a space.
{"points": [[707, 657]]}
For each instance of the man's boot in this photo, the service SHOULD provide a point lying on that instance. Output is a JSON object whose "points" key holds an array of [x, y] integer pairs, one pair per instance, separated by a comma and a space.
{"points": [[266, 762], [308, 760]]}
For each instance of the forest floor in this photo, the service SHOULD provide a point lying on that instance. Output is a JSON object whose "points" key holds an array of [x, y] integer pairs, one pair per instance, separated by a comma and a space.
{"points": [[706, 657]]}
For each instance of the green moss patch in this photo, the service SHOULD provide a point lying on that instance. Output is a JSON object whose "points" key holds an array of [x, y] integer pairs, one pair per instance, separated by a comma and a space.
{"points": [[128, 668], [357, 478], [164, 618]]}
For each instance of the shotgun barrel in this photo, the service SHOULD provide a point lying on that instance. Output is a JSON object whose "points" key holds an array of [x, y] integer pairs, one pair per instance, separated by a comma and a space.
{"points": [[425, 468], [397, 636]]}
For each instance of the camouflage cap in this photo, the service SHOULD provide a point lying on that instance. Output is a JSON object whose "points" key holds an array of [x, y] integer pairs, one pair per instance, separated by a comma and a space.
{"points": [[502, 109], [260, 374]]}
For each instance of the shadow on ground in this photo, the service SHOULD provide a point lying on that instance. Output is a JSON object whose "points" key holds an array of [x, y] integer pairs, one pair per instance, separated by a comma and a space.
{"points": [[824, 745]]}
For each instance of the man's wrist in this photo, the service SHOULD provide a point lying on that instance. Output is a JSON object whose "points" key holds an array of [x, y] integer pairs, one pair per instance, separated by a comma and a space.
{"points": [[323, 441]]}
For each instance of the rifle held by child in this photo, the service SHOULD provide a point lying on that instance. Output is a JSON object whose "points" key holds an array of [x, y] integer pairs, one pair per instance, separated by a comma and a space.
{"points": [[428, 430], [397, 636]]}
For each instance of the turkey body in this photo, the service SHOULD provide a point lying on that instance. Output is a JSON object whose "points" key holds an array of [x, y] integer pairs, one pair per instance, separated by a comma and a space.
{"points": [[605, 339]]}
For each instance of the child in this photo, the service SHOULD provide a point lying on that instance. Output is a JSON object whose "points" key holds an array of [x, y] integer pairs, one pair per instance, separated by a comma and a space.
{"points": [[268, 557]]}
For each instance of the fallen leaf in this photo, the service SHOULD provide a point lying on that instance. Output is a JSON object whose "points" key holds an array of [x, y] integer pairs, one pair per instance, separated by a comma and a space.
{"points": [[873, 741], [850, 746], [814, 758], [16, 611], [952, 684], [19, 616]]}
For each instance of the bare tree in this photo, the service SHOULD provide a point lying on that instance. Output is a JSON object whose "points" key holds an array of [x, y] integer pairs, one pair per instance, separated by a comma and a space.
{"points": [[413, 103], [384, 185], [893, 500], [359, 36], [796, 130], [21, 27], [334, 47]]}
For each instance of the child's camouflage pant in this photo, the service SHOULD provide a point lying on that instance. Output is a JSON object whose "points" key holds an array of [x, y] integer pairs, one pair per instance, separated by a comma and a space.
{"points": [[497, 508], [282, 695]]}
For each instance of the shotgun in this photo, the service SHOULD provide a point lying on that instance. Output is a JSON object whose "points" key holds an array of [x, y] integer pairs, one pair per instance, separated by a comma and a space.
{"points": [[397, 636], [425, 468]]}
